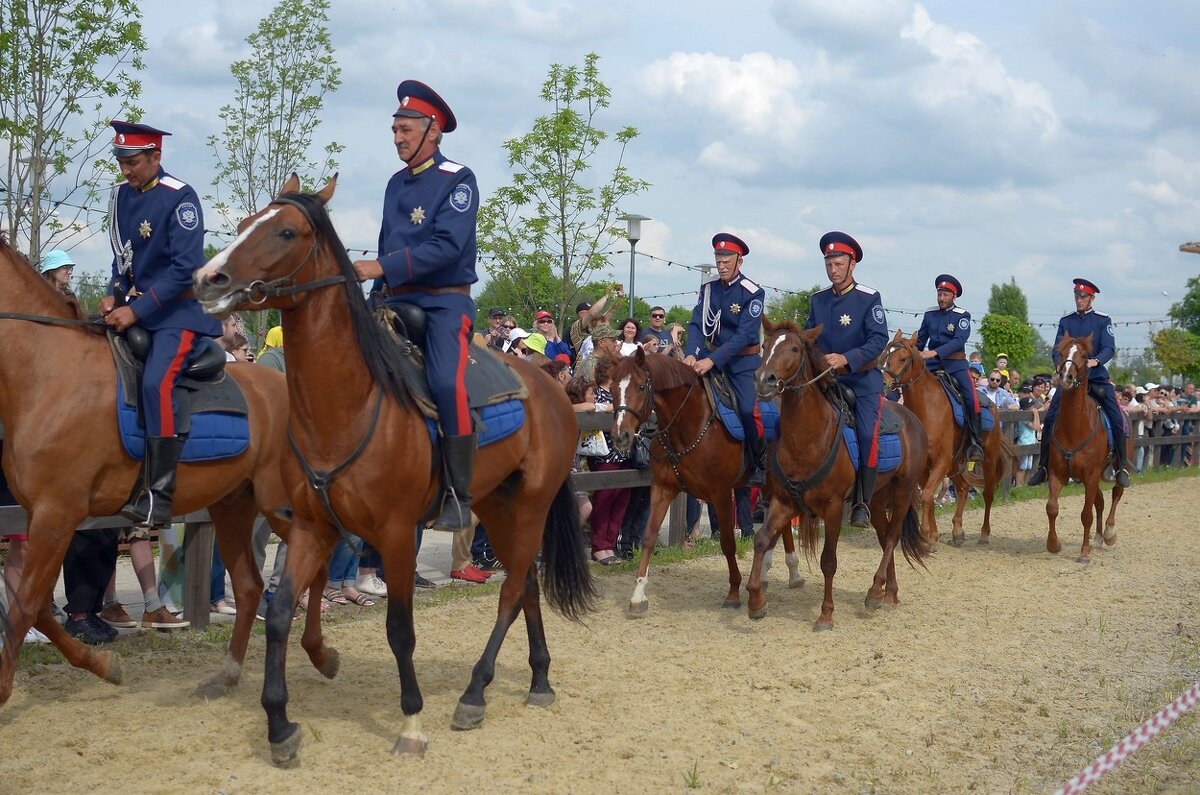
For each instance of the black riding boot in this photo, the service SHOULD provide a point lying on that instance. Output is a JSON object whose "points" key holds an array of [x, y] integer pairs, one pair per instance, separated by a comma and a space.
{"points": [[758, 462], [1039, 475], [975, 441], [458, 453], [152, 505], [1121, 470], [864, 487]]}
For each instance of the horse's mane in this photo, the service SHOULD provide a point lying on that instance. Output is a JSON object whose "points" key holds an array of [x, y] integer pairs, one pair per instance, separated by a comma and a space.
{"points": [[381, 354], [667, 372], [816, 356], [52, 299], [1084, 343]]}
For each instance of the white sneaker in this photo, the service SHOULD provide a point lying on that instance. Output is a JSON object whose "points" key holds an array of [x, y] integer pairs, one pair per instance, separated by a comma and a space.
{"points": [[372, 585], [35, 635]]}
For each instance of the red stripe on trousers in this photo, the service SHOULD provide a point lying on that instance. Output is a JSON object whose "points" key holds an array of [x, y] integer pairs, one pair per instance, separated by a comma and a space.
{"points": [[461, 409], [975, 399], [166, 409], [873, 458]]}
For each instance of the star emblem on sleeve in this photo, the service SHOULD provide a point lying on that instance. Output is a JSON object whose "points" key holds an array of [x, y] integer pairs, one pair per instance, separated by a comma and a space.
{"points": [[735, 308], [144, 229], [844, 320], [417, 216]]}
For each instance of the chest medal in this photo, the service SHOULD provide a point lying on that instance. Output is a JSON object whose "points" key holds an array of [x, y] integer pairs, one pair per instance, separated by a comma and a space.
{"points": [[144, 229], [418, 216]]}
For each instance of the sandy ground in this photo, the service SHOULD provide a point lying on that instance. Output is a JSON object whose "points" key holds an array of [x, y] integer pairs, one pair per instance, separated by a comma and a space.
{"points": [[1005, 669]]}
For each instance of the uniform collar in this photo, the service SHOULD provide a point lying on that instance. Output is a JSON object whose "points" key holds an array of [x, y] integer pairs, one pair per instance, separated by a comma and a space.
{"points": [[1088, 312], [737, 278], [154, 182], [426, 165], [849, 287]]}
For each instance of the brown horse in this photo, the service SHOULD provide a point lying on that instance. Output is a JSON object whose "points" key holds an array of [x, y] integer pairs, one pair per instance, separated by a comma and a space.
{"points": [[64, 461], [904, 369], [1079, 448], [691, 451], [811, 448], [366, 447]]}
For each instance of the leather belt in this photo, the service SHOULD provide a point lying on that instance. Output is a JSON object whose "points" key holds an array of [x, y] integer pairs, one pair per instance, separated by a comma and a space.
{"points": [[957, 357], [409, 289], [750, 350]]}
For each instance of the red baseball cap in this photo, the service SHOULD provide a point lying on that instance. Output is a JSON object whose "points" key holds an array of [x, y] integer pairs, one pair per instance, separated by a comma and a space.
{"points": [[543, 314]]}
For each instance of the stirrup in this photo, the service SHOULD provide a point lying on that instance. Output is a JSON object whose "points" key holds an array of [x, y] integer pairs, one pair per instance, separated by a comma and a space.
{"points": [[757, 477], [974, 452], [455, 515], [1038, 477], [1121, 477], [860, 515]]}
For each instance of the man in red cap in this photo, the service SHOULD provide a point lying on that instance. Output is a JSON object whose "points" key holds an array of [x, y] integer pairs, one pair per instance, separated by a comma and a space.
{"points": [[1098, 327], [942, 340], [427, 258], [724, 333]]}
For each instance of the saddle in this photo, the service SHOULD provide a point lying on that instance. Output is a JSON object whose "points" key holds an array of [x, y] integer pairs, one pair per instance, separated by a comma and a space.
{"points": [[957, 399], [844, 400], [723, 402]]}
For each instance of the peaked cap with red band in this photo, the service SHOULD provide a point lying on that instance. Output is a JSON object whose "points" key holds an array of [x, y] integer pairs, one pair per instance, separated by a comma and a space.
{"points": [[130, 139], [1084, 286], [419, 101], [948, 282], [840, 243], [723, 241]]}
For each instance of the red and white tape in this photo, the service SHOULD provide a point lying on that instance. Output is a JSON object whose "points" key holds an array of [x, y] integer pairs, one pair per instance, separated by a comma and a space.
{"points": [[1133, 741]]}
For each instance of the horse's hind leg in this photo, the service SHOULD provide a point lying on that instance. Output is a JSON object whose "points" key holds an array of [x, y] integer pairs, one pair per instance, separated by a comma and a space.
{"points": [[777, 517], [1052, 544], [884, 588], [659, 503], [724, 508], [1110, 526], [1093, 503], [795, 578], [541, 694]]}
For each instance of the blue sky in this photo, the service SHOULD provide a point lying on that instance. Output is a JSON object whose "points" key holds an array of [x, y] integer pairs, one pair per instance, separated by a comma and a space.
{"points": [[1035, 140]]}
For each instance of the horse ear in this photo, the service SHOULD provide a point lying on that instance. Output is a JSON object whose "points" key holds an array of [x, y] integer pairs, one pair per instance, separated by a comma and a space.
{"points": [[899, 334], [913, 338], [292, 185], [326, 193], [767, 325], [817, 329], [812, 334], [639, 357]]}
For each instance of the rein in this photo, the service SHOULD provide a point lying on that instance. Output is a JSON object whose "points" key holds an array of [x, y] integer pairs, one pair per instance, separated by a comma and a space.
{"points": [[258, 292], [661, 435], [46, 320], [895, 377], [1066, 454]]}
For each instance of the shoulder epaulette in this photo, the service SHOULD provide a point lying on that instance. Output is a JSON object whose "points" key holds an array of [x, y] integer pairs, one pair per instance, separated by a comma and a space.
{"points": [[450, 167], [749, 285], [1099, 313], [862, 288], [1064, 317], [958, 309], [933, 309], [710, 281], [172, 183]]}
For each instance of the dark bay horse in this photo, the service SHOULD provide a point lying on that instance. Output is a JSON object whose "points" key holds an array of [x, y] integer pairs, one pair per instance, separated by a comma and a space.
{"points": [[1079, 449], [64, 461], [691, 451], [357, 429], [904, 369], [811, 472]]}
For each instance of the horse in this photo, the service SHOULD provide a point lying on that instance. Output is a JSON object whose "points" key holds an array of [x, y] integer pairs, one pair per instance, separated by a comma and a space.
{"points": [[64, 462], [365, 460], [1079, 449], [811, 447], [687, 453], [904, 369]]}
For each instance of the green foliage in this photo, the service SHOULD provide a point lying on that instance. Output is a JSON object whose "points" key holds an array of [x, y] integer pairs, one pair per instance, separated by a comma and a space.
{"points": [[269, 127], [1187, 312], [66, 72], [550, 215], [791, 305], [1178, 350], [1006, 334], [1008, 299]]}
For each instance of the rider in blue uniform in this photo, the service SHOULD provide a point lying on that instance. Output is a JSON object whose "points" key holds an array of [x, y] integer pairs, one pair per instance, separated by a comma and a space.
{"points": [[942, 341], [724, 333], [157, 236], [427, 258], [1087, 322], [854, 332]]}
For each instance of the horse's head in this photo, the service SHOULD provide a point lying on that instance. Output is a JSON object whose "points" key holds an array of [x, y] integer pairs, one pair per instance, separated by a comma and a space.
{"points": [[633, 398], [791, 358], [1073, 354], [273, 261], [900, 361]]}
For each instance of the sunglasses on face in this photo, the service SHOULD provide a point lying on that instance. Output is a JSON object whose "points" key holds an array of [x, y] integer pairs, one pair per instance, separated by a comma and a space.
{"points": [[657, 315], [545, 320], [510, 328], [993, 380]]}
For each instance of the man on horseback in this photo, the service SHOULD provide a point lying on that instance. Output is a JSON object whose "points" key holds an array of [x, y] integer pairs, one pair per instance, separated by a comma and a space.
{"points": [[946, 329], [1098, 327], [854, 331], [427, 258], [724, 333], [157, 235]]}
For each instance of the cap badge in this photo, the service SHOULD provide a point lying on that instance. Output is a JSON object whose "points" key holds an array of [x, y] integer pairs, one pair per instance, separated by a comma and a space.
{"points": [[144, 229], [404, 102], [121, 138], [417, 216]]}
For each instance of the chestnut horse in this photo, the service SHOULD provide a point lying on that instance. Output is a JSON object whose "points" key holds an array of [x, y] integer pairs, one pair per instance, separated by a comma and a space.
{"points": [[811, 448], [904, 369], [691, 451], [64, 461], [1079, 448], [366, 447]]}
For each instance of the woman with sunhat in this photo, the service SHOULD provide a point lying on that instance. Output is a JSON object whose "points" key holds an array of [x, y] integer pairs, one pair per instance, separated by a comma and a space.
{"points": [[57, 268]]}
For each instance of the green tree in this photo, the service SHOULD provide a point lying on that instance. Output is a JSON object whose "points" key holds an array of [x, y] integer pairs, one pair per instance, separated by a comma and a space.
{"points": [[1008, 299], [1006, 334], [550, 215], [1187, 312], [1178, 350], [66, 72], [791, 305], [269, 127]]}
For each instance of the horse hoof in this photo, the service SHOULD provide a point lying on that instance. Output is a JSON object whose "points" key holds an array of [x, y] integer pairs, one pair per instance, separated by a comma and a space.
{"points": [[216, 686], [732, 604], [796, 582], [467, 716], [758, 614], [332, 662], [873, 604], [113, 673], [823, 626], [1082, 559], [410, 746], [534, 699], [286, 752], [983, 541], [958, 540], [638, 609], [1110, 538]]}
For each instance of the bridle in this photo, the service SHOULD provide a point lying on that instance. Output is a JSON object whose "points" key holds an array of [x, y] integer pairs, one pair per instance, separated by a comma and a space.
{"points": [[895, 378], [258, 291], [788, 384]]}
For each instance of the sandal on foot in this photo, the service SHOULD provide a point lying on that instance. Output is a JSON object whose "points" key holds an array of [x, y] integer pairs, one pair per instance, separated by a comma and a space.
{"points": [[359, 598], [335, 596]]}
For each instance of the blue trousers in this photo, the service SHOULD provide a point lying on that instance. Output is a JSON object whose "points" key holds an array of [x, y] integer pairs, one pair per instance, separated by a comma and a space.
{"points": [[1116, 417], [740, 371], [170, 350], [450, 320], [867, 410], [963, 379]]}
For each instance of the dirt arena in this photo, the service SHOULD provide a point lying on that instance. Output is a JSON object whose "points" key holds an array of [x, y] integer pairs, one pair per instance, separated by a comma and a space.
{"points": [[1005, 669]]}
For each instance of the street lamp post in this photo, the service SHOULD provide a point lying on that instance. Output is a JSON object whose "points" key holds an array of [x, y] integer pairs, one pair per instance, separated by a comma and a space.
{"points": [[633, 232]]}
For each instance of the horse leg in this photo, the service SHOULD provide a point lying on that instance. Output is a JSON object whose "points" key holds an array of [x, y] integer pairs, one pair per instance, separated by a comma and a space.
{"points": [[724, 508], [541, 694], [660, 501], [1091, 491], [1052, 544], [992, 470], [833, 529], [929, 506], [795, 578], [962, 489], [884, 588], [776, 518], [1110, 526], [879, 583], [233, 520]]}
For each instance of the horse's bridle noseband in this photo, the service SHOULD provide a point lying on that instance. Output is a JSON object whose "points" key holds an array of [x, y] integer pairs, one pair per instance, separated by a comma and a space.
{"points": [[896, 383], [258, 291], [788, 384]]}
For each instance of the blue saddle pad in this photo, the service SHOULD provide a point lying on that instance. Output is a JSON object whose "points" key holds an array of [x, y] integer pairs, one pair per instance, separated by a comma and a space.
{"points": [[890, 451], [213, 436], [733, 424], [495, 422], [985, 417]]}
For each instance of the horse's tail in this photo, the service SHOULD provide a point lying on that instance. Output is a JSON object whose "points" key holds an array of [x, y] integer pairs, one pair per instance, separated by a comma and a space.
{"points": [[912, 541], [565, 577], [810, 526]]}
